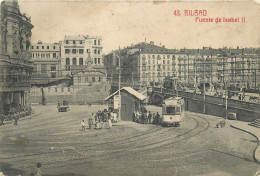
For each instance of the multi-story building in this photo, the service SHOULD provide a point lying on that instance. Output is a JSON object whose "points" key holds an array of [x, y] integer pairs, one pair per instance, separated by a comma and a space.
{"points": [[240, 67], [15, 58], [76, 50], [143, 63], [47, 61], [60, 66]]}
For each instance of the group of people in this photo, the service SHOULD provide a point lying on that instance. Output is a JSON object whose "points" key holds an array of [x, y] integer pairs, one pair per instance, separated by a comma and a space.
{"points": [[146, 118], [100, 119], [15, 115]]}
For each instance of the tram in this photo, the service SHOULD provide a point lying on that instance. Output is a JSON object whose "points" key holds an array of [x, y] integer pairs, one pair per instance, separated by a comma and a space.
{"points": [[173, 111]]}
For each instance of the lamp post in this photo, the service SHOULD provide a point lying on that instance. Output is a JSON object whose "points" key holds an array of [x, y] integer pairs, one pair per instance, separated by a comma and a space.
{"points": [[204, 88], [226, 99], [119, 86]]}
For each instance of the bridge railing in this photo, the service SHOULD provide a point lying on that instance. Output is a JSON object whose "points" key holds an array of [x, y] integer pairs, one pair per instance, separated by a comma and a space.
{"points": [[210, 99]]}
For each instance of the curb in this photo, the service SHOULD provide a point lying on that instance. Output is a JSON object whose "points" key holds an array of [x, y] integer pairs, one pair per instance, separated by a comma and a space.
{"points": [[257, 149], [21, 119]]}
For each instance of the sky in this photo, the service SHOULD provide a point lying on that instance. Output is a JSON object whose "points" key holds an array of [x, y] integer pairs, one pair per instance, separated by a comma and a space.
{"points": [[122, 23]]}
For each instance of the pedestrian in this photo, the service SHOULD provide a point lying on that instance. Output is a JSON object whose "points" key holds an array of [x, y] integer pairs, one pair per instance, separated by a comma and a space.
{"points": [[16, 117], [153, 118], [109, 123], [145, 118], [97, 125], [157, 118], [142, 118], [115, 117], [96, 117], [38, 172], [133, 116], [90, 122], [83, 125], [243, 96], [149, 117], [2, 118]]}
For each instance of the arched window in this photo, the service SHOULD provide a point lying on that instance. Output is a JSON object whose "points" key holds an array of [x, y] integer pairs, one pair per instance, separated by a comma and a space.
{"points": [[74, 61], [95, 61], [67, 61], [98, 60], [80, 61], [95, 51]]}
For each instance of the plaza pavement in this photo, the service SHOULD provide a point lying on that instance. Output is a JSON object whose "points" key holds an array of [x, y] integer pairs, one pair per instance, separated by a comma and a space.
{"points": [[240, 125]]}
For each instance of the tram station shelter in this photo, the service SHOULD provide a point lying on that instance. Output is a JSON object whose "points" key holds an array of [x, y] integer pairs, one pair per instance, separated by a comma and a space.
{"points": [[131, 100]]}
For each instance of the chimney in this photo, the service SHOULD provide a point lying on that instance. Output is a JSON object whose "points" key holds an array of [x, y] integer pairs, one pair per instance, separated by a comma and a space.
{"points": [[151, 42]]}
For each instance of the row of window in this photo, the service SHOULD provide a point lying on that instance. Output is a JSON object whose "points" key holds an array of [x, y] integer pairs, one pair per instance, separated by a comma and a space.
{"points": [[149, 62], [80, 61], [14, 78], [148, 74], [56, 89], [87, 79], [81, 51], [44, 68], [96, 42], [159, 56], [43, 47], [44, 55], [156, 68]]}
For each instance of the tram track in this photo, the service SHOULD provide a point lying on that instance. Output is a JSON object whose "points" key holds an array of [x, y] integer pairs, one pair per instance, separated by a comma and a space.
{"points": [[200, 127], [122, 152]]}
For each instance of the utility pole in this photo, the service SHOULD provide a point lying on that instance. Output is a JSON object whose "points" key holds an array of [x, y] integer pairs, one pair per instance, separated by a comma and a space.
{"points": [[255, 77], [119, 87], [177, 88], [132, 79], [235, 71], [195, 78], [188, 68], [204, 87], [226, 98]]}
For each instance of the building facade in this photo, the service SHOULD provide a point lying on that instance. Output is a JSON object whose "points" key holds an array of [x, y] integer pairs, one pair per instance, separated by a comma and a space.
{"points": [[143, 63], [240, 67], [90, 85], [15, 58], [78, 50], [146, 63], [46, 60]]}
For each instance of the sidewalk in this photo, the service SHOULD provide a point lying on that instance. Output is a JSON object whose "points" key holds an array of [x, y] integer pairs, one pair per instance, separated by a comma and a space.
{"points": [[240, 125], [21, 119]]}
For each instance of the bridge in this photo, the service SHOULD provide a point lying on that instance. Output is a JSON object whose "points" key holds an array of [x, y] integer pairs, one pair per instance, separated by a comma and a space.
{"points": [[194, 102], [245, 111]]}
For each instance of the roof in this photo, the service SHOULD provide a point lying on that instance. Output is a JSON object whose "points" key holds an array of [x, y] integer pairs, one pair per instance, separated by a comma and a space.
{"points": [[173, 101], [77, 69], [130, 91]]}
